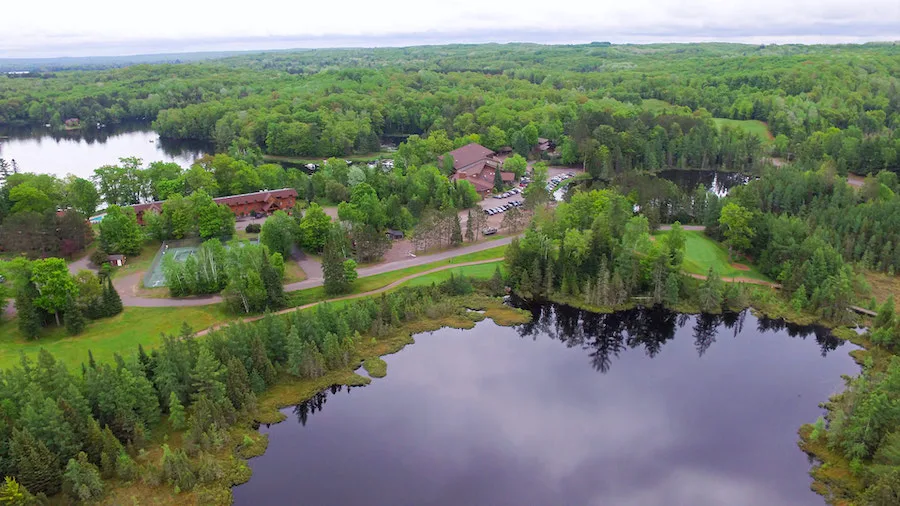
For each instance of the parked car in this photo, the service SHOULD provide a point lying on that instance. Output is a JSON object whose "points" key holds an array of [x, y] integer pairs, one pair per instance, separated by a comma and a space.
{"points": [[487, 211], [570, 174], [497, 197], [505, 194], [489, 231]]}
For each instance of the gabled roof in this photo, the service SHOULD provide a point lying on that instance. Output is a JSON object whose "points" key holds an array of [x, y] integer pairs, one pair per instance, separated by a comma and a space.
{"points": [[469, 154], [233, 200]]}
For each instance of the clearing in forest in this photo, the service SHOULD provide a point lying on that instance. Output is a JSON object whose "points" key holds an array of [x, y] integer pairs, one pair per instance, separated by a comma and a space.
{"points": [[701, 252], [751, 125]]}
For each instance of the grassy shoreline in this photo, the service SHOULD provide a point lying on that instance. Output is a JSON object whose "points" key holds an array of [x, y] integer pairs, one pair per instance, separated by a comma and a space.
{"points": [[290, 391]]}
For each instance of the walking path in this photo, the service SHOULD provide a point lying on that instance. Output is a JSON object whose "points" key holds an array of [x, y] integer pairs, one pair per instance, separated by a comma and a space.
{"points": [[313, 269], [385, 288], [694, 228]]}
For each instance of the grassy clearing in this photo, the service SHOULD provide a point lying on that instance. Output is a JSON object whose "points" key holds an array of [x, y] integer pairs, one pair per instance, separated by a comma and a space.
{"points": [[883, 286], [753, 126], [119, 334], [139, 263], [369, 283], [293, 272], [701, 252], [138, 325], [482, 271], [376, 367]]}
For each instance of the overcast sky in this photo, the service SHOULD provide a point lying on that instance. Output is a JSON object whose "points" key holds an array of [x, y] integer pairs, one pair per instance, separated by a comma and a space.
{"points": [[47, 28]]}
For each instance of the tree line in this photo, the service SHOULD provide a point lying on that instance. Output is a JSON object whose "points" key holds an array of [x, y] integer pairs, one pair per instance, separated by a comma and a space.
{"points": [[72, 432]]}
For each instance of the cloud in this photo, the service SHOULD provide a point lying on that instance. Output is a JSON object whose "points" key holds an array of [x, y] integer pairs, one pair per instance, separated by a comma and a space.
{"points": [[64, 28]]}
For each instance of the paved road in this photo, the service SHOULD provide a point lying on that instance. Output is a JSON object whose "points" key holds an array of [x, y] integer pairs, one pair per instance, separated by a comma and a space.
{"points": [[125, 285]]}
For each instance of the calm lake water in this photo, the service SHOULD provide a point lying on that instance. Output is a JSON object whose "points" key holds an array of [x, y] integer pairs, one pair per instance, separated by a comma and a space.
{"points": [[642, 408], [717, 182], [79, 152]]}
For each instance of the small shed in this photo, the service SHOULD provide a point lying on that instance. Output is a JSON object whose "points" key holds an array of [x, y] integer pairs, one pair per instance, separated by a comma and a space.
{"points": [[116, 260], [394, 235]]}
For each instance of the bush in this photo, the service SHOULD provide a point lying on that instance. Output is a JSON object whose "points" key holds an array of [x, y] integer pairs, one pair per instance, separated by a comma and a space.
{"points": [[99, 257], [253, 228]]}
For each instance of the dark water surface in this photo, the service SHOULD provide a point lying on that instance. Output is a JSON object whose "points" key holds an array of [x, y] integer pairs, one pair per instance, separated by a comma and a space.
{"points": [[79, 152], [717, 182], [639, 408]]}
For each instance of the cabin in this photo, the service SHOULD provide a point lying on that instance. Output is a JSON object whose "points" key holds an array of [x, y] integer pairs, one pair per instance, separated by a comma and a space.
{"points": [[477, 164], [394, 235], [261, 203], [116, 260]]}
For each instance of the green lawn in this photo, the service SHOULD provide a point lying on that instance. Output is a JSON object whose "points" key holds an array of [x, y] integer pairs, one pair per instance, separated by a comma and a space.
{"points": [[482, 271], [120, 334], [751, 125], [139, 262], [138, 325], [701, 252]]}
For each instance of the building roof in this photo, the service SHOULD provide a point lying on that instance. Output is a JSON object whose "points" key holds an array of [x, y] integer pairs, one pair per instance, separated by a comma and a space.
{"points": [[113, 258], [233, 200], [469, 154]]}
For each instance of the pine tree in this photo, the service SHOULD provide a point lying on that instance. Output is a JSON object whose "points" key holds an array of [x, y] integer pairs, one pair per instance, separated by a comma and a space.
{"points": [[28, 316], [237, 385], [333, 269], [74, 318], [711, 293], [470, 232], [82, 479], [38, 468], [498, 180], [112, 303], [496, 283], [176, 412], [260, 361], [799, 301], [456, 238], [176, 469], [273, 283], [14, 494]]}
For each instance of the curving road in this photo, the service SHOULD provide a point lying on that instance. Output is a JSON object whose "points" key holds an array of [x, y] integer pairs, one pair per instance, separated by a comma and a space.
{"points": [[126, 284]]}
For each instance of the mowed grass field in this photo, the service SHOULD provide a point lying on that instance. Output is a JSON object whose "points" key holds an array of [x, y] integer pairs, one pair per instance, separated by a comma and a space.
{"points": [[145, 326], [757, 127], [120, 334], [701, 252], [753, 126]]}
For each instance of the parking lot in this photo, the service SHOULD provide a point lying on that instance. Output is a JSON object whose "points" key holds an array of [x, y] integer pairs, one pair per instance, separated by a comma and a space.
{"points": [[494, 207]]}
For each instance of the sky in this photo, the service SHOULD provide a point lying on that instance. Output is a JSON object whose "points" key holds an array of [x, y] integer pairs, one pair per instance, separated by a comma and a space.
{"points": [[53, 28]]}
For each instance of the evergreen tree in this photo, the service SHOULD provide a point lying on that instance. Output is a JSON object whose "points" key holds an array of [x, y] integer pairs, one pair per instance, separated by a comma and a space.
{"points": [[799, 300], [74, 318], [82, 479], [498, 181], [176, 412], [237, 385], [272, 281], [37, 468], [260, 361], [496, 284], [333, 269], [14, 494], [29, 318], [456, 237], [710, 293], [176, 469], [470, 232], [112, 303]]}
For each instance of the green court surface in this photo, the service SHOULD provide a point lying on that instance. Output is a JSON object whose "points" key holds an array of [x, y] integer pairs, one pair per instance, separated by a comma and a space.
{"points": [[154, 277]]}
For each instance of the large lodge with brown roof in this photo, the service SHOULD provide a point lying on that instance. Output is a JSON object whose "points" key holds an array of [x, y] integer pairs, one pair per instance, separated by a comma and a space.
{"points": [[477, 164], [264, 202]]}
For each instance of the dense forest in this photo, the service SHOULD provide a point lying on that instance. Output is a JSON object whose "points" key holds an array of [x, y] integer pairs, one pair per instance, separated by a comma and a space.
{"points": [[76, 431], [648, 106]]}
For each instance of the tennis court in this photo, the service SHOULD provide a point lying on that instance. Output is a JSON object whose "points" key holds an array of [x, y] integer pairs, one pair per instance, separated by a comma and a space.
{"points": [[154, 277]]}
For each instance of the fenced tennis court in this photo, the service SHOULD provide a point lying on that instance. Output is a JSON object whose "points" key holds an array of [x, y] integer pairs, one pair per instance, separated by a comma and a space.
{"points": [[180, 250]]}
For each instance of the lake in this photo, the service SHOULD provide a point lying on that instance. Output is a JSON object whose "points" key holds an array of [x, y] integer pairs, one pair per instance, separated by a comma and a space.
{"points": [[643, 408], [79, 152], [715, 181]]}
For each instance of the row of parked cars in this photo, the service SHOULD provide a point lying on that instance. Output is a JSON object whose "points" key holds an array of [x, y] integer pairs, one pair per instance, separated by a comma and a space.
{"points": [[505, 207], [510, 193], [555, 180]]}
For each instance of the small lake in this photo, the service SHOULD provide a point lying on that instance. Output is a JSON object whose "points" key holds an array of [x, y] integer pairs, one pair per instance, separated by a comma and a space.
{"points": [[715, 181], [79, 152], [642, 408]]}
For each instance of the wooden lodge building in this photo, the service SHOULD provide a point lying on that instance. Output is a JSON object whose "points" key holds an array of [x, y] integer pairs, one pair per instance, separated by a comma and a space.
{"points": [[477, 164], [265, 202]]}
